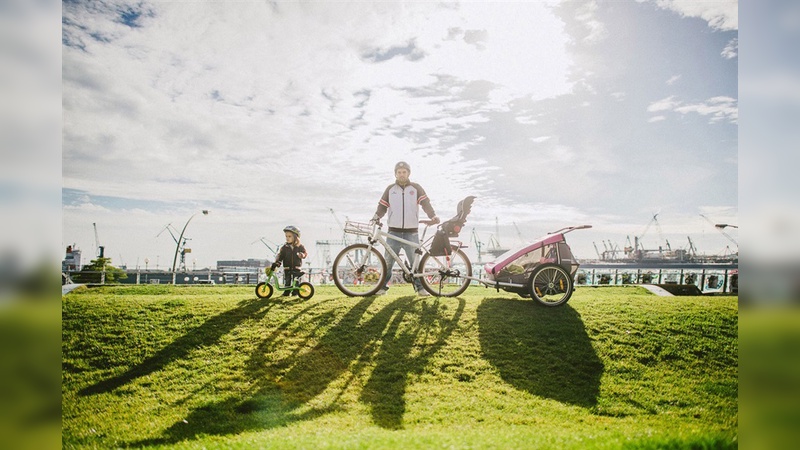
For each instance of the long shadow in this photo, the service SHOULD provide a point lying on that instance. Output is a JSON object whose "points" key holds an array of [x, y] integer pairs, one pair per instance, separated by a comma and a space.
{"points": [[209, 333], [385, 390], [544, 351], [283, 389]]}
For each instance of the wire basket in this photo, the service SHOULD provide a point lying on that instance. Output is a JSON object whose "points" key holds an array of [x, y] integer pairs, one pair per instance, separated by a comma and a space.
{"points": [[359, 228]]}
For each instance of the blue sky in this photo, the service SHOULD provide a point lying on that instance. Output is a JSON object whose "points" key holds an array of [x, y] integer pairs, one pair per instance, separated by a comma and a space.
{"points": [[551, 113]]}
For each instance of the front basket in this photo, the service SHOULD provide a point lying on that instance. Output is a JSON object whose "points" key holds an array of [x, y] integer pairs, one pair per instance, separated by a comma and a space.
{"points": [[361, 229]]}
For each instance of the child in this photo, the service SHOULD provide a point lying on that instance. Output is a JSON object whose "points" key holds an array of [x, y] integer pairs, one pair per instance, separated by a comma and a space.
{"points": [[291, 256]]}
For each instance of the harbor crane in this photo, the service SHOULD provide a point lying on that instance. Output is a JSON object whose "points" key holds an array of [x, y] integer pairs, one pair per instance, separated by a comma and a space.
{"points": [[519, 233], [478, 244], [325, 245], [721, 228], [100, 249]]}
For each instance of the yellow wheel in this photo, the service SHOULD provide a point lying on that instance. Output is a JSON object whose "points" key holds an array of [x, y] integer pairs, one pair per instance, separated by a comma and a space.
{"points": [[264, 290], [305, 290]]}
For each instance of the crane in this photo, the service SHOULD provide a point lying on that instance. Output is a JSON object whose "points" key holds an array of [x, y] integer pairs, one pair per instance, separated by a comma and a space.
{"points": [[341, 227], [266, 243], [598, 251], [478, 244], [100, 248], [519, 234], [720, 228], [692, 248], [638, 239]]}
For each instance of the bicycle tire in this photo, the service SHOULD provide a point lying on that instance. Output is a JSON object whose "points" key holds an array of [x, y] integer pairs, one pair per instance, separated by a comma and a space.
{"points": [[264, 290], [305, 290], [449, 286], [551, 285], [359, 274]]}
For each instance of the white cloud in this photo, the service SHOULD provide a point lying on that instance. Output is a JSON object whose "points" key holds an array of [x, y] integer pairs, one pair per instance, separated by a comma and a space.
{"points": [[663, 104], [720, 14], [719, 108], [673, 79], [731, 50]]}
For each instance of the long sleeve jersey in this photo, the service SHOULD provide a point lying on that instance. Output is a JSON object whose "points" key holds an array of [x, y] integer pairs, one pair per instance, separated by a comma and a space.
{"points": [[402, 203]]}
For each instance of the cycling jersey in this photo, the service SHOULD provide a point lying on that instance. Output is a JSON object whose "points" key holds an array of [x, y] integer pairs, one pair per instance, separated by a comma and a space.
{"points": [[402, 203]]}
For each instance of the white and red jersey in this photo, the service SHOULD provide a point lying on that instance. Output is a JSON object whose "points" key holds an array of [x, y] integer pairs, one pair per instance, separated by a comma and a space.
{"points": [[402, 204]]}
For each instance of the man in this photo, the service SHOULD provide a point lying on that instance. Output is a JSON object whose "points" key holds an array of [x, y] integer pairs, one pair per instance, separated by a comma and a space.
{"points": [[402, 200]]}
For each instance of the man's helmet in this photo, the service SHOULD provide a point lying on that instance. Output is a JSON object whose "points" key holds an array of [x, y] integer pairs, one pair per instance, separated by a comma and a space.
{"points": [[292, 229], [402, 165]]}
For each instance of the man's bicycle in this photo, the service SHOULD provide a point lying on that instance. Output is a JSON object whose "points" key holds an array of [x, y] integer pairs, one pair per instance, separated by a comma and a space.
{"points": [[442, 267]]}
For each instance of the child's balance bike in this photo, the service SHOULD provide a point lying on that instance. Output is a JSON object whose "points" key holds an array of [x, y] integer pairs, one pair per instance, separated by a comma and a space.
{"points": [[264, 289]]}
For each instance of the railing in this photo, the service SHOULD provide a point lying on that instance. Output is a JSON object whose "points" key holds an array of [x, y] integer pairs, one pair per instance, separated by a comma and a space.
{"points": [[709, 278]]}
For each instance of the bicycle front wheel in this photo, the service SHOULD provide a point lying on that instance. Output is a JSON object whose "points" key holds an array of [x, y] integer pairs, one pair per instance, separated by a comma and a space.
{"points": [[359, 270], [444, 276]]}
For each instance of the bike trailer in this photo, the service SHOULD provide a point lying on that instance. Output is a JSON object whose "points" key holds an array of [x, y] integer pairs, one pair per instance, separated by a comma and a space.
{"points": [[516, 266]]}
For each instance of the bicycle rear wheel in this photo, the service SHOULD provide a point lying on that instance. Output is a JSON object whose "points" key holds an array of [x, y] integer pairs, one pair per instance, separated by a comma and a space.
{"points": [[443, 276], [358, 270]]}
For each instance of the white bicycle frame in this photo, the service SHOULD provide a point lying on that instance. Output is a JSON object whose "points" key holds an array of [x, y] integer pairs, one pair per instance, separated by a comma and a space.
{"points": [[379, 236]]}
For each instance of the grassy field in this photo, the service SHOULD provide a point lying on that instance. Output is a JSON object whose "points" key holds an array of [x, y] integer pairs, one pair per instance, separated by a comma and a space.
{"points": [[215, 367]]}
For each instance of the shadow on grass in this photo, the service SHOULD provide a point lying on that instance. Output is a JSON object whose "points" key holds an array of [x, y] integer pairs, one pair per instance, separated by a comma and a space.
{"points": [[209, 333], [395, 342], [544, 351]]}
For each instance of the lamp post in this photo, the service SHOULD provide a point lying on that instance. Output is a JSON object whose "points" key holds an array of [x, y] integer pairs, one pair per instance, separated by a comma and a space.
{"points": [[178, 246]]}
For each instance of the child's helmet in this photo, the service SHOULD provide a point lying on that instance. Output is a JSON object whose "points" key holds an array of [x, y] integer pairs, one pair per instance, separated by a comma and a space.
{"points": [[292, 229]]}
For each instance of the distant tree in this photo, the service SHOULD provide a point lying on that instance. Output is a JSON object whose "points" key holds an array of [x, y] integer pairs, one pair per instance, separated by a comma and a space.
{"points": [[91, 273]]}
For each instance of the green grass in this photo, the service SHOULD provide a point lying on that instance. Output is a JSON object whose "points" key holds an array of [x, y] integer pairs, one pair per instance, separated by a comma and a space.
{"points": [[215, 367]]}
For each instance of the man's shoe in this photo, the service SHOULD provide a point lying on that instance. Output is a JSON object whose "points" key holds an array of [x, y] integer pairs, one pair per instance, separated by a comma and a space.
{"points": [[423, 293], [382, 291]]}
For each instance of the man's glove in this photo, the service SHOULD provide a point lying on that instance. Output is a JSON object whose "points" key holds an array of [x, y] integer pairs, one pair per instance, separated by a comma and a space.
{"points": [[274, 266]]}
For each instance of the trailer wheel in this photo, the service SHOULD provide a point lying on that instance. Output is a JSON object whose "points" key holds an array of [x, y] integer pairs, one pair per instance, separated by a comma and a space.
{"points": [[551, 285]]}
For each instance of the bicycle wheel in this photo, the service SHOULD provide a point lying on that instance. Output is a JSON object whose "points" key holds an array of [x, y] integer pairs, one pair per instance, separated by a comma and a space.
{"points": [[443, 276], [263, 290], [551, 285], [358, 270], [305, 290]]}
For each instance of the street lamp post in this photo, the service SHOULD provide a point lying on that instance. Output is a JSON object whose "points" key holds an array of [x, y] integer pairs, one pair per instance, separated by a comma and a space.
{"points": [[178, 246]]}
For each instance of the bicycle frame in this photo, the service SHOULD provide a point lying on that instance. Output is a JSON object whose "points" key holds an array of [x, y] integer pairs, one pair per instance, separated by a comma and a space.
{"points": [[272, 278], [379, 236], [264, 289]]}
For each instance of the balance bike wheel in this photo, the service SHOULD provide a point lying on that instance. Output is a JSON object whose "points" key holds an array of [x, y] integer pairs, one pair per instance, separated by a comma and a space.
{"points": [[264, 290], [305, 290]]}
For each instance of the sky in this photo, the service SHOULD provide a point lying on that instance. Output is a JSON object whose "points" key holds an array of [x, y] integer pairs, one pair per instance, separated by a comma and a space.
{"points": [[552, 114]]}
